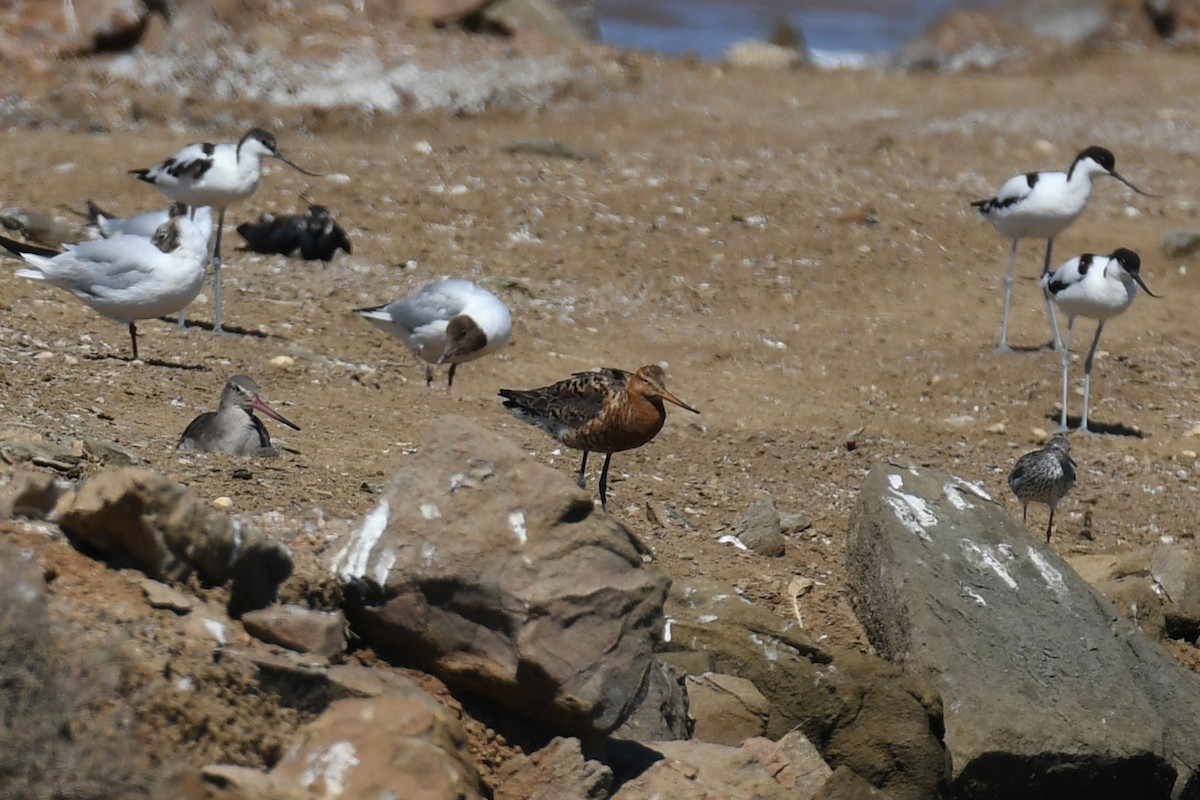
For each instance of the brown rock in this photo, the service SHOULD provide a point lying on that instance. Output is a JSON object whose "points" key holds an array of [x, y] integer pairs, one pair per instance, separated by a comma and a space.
{"points": [[846, 784], [726, 709], [169, 533], [304, 630], [27, 494], [556, 772], [405, 746], [440, 12], [496, 573], [75, 28]]}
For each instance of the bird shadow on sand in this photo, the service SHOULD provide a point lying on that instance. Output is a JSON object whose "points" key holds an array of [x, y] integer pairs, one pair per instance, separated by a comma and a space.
{"points": [[1100, 428], [150, 362], [233, 330]]}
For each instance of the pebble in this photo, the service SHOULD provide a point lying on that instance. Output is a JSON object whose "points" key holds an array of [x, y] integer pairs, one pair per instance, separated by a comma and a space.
{"points": [[283, 362], [999, 427], [224, 503]]}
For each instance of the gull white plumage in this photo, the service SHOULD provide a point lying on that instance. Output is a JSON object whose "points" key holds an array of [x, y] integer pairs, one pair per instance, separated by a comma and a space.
{"points": [[216, 175], [450, 321], [127, 278], [1099, 288], [1041, 205]]}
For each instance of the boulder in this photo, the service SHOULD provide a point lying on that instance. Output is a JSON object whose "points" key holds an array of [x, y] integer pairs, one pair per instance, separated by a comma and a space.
{"points": [[861, 711], [494, 572], [27, 494], [394, 745], [704, 771], [1047, 690], [662, 713], [144, 517]]}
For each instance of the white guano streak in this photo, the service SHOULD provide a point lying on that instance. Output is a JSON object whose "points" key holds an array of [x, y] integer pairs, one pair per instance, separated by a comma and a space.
{"points": [[516, 521], [983, 557], [352, 560], [1052, 577]]}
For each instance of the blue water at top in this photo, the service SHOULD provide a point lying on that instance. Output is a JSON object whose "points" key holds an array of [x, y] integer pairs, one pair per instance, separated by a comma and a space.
{"points": [[707, 28]]}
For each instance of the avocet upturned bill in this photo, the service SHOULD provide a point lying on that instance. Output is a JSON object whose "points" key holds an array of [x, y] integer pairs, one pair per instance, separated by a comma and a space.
{"points": [[1041, 205], [127, 278], [233, 428], [216, 175], [606, 411], [1099, 288], [1044, 476], [450, 321]]}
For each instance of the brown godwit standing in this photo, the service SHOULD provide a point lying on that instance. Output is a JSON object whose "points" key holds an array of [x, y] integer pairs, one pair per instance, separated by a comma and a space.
{"points": [[1044, 476], [604, 411], [450, 321], [233, 428]]}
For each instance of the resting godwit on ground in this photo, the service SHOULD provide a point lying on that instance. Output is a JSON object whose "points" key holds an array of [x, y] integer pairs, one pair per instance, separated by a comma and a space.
{"points": [[1099, 288], [1044, 476], [604, 411], [450, 321], [216, 175], [1041, 205], [233, 428], [129, 277], [312, 236]]}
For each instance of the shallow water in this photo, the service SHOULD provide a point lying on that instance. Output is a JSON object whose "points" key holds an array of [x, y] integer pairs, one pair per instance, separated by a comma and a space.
{"points": [[834, 31]]}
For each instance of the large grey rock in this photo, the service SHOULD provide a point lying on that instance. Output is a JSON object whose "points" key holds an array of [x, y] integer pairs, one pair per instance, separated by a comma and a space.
{"points": [[863, 712], [495, 573], [662, 713], [1047, 690], [169, 533]]}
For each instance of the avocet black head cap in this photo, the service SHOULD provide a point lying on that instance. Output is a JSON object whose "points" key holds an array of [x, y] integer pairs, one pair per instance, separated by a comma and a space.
{"points": [[1101, 156], [1131, 262]]}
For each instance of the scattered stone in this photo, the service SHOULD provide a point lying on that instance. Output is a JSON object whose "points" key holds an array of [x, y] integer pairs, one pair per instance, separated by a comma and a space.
{"points": [[160, 595], [763, 55], [1034, 668], [726, 709], [1181, 243], [552, 148], [283, 362], [556, 772], [136, 514], [109, 453], [705, 771], [297, 628], [761, 529], [495, 572]]}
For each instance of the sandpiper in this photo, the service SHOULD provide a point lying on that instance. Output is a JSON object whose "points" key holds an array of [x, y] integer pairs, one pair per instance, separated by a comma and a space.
{"points": [[233, 428], [604, 411], [1044, 476]]}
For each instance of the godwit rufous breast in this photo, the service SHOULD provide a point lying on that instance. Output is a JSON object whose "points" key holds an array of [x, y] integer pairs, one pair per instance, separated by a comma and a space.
{"points": [[1041, 205], [127, 278], [233, 428], [1099, 288], [450, 321], [216, 175], [604, 411], [1044, 476]]}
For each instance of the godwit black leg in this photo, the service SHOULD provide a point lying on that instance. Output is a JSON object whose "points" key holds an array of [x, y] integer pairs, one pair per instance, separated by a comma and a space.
{"points": [[581, 479], [1050, 525], [133, 338], [604, 482], [450, 377]]}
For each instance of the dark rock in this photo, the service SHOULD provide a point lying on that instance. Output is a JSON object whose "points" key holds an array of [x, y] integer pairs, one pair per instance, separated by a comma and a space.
{"points": [[662, 715], [495, 573], [1034, 667], [137, 514], [761, 529]]}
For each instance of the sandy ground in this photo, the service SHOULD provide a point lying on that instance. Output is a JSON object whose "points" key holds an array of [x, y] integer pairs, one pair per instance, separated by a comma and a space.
{"points": [[797, 249]]}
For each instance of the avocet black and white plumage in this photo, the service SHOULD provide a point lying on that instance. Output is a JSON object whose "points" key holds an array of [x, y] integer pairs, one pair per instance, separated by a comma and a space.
{"points": [[127, 278], [216, 175], [1041, 205], [1044, 476], [450, 321], [1099, 288]]}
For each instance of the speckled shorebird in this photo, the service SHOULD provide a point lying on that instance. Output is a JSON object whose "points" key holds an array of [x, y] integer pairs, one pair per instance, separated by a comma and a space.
{"points": [[1044, 476], [1041, 205], [604, 411], [450, 321], [233, 428]]}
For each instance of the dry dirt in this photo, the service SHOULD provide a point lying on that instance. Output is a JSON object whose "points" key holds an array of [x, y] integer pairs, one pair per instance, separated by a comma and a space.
{"points": [[796, 248]]}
